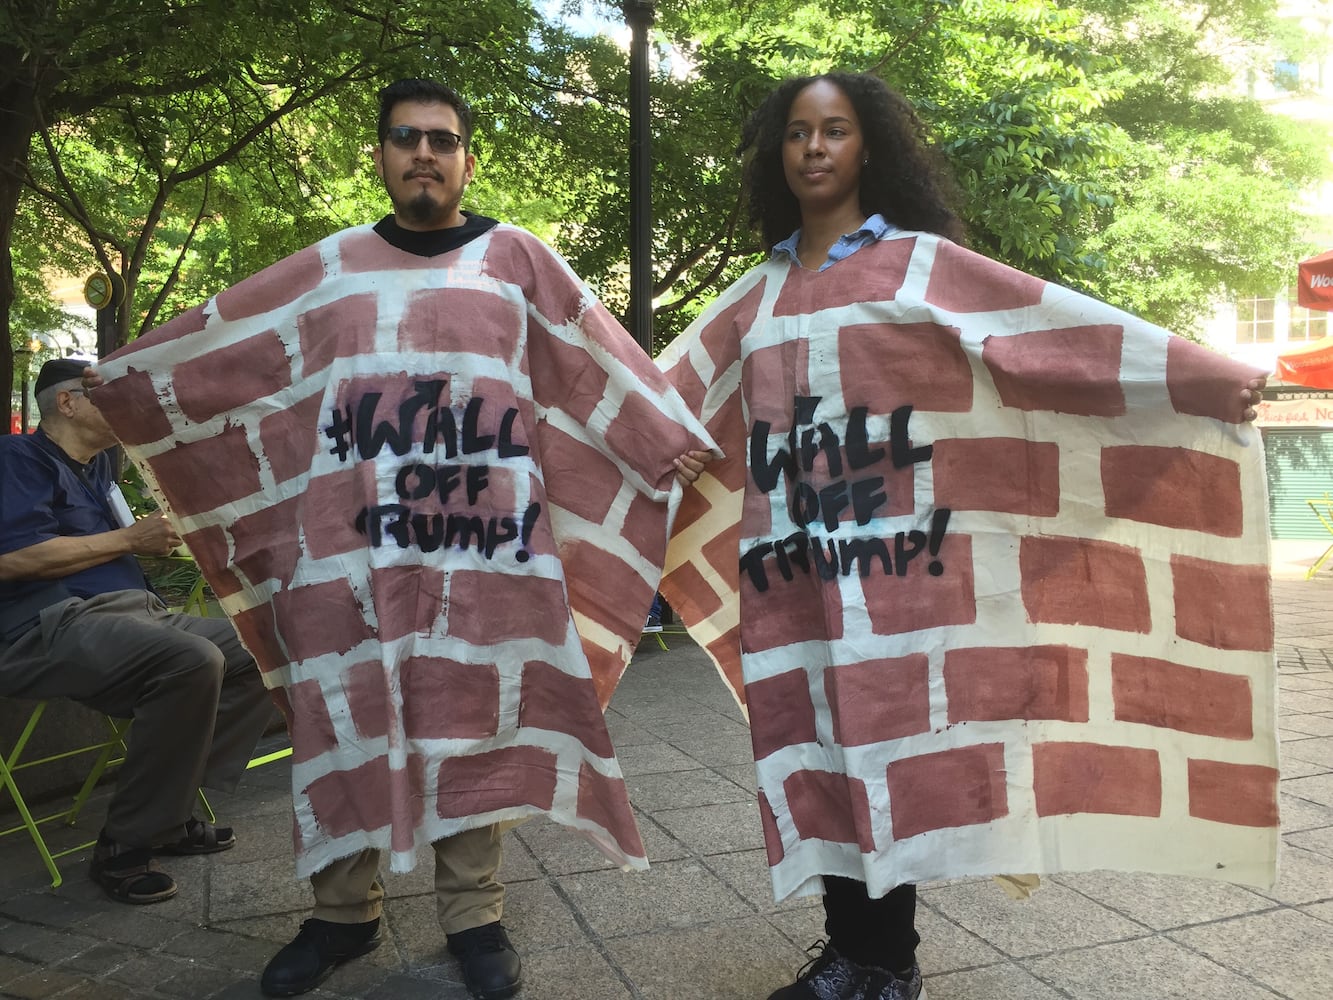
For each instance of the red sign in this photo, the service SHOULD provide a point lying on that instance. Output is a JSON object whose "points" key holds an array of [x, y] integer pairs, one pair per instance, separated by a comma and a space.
{"points": [[1314, 285]]}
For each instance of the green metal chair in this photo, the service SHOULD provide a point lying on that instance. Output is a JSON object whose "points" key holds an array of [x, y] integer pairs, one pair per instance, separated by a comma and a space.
{"points": [[1323, 509]]}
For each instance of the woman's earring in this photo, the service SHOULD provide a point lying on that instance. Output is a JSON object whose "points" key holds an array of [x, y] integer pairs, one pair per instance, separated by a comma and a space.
{"points": [[865, 162]]}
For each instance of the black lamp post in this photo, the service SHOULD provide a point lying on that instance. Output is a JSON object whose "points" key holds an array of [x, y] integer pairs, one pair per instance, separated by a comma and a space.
{"points": [[639, 15], [23, 358]]}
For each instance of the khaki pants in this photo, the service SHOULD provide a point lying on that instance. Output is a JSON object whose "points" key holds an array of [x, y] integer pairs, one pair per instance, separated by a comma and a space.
{"points": [[467, 894]]}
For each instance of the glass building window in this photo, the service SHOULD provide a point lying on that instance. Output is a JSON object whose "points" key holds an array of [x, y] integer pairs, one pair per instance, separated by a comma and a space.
{"points": [[1254, 321]]}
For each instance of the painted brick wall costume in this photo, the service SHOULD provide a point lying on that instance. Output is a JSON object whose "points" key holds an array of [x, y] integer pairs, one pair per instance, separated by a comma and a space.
{"points": [[987, 563], [400, 474]]}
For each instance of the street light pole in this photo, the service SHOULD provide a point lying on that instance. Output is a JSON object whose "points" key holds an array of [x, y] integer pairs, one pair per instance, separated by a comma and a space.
{"points": [[23, 356], [639, 15]]}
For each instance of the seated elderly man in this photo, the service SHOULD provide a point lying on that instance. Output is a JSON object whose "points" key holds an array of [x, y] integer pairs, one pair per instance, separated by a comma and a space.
{"points": [[79, 620]]}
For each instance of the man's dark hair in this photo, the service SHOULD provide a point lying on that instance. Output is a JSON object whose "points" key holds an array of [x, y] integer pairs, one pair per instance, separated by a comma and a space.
{"points": [[429, 92], [906, 180]]}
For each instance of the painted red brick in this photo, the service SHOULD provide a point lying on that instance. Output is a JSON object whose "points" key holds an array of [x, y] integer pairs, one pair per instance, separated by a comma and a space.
{"points": [[645, 527], [772, 839], [1238, 794], [1173, 487], [693, 506], [1010, 475], [259, 634], [606, 666], [721, 552], [781, 712], [1203, 383], [407, 600], [878, 700], [367, 251], [605, 589], [190, 493], [989, 683], [1092, 778], [647, 440], [888, 365], [188, 322], [211, 551], [486, 608], [344, 328], [463, 320], [311, 728], [321, 618], [520, 258], [343, 801], [232, 376], [552, 699], [803, 609], [729, 471], [604, 801], [1087, 382], [277, 285], [721, 338], [266, 546], [918, 600], [367, 691], [287, 439], [897, 487], [1084, 581], [501, 397], [937, 791], [447, 700], [330, 508], [131, 408], [1175, 696], [688, 384], [726, 652], [691, 596], [597, 479], [410, 802], [771, 378], [481, 783], [829, 806], [580, 384], [963, 281], [874, 274], [1223, 605], [542, 540]]}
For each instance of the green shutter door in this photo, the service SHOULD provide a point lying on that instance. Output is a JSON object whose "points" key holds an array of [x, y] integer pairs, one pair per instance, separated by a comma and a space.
{"points": [[1300, 466]]}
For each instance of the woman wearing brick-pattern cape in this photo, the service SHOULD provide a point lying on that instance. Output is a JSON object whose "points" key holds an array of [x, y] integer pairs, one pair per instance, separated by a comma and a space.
{"points": [[986, 562]]}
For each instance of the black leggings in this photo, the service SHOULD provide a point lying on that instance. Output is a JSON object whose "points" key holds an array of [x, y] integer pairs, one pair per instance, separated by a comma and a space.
{"points": [[879, 932]]}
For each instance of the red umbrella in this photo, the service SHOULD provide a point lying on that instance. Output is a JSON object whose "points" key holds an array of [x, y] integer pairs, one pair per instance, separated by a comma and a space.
{"points": [[1314, 284], [1310, 364]]}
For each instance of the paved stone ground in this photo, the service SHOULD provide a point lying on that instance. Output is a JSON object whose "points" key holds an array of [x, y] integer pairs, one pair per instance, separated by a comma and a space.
{"points": [[702, 924]]}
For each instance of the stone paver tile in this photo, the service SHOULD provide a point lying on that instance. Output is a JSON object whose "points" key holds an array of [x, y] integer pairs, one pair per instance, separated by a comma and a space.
{"points": [[678, 789], [739, 960], [1294, 768], [802, 926], [43, 945], [1055, 918], [672, 894], [14, 968], [1285, 950], [1320, 911], [989, 982], [946, 947], [561, 851], [654, 758], [538, 918], [1303, 877], [719, 829], [401, 987], [43, 983], [742, 775], [561, 974], [216, 947], [1318, 841], [1316, 788], [234, 895], [721, 752], [747, 873], [1310, 725], [1157, 968], [1300, 814], [704, 726], [1316, 750], [1164, 901], [1305, 702]]}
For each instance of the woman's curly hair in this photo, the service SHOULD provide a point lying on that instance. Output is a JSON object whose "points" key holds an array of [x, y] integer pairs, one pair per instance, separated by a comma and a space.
{"points": [[906, 180]]}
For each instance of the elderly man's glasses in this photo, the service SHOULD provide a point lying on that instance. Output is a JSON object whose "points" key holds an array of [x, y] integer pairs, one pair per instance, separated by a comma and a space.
{"points": [[442, 142]]}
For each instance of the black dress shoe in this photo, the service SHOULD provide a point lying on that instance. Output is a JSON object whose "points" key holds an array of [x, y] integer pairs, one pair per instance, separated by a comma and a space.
{"points": [[318, 948], [491, 967]]}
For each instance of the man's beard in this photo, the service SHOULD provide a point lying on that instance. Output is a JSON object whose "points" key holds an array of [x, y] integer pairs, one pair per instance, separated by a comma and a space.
{"points": [[422, 209]]}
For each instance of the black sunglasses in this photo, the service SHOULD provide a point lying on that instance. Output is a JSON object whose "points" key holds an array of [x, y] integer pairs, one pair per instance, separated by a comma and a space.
{"points": [[407, 137]]}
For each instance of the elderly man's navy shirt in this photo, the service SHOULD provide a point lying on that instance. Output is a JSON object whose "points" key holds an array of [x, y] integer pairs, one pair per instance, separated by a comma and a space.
{"points": [[45, 494]]}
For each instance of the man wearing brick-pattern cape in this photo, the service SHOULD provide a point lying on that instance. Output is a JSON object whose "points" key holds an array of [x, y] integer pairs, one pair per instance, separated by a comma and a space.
{"points": [[432, 494], [987, 565]]}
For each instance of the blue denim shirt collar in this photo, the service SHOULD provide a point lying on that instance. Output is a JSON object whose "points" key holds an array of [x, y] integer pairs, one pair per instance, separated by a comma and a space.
{"points": [[874, 228]]}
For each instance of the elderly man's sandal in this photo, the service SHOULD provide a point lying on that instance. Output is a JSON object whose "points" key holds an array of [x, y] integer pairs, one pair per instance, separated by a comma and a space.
{"points": [[201, 838]]}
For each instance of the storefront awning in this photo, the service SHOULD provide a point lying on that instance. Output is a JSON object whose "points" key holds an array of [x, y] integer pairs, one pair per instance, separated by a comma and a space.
{"points": [[1310, 364], [1314, 284]]}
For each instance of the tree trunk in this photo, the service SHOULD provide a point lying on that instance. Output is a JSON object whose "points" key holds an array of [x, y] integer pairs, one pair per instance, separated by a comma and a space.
{"points": [[16, 110]]}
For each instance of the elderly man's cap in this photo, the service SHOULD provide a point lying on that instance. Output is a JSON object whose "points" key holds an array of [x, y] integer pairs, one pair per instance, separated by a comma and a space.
{"points": [[60, 370]]}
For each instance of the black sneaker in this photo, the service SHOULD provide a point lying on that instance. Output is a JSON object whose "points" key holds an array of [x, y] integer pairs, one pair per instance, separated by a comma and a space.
{"points": [[830, 976], [318, 948], [492, 969]]}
